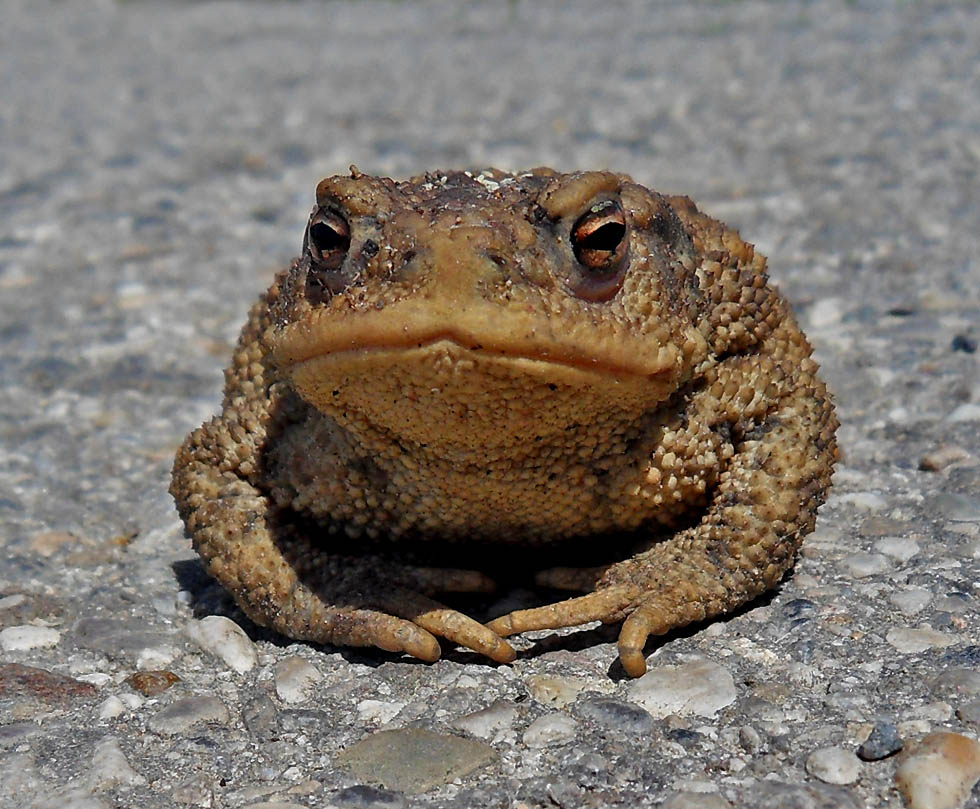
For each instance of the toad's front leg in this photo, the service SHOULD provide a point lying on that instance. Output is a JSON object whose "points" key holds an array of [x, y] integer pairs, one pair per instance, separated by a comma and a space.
{"points": [[781, 424], [282, 578]]}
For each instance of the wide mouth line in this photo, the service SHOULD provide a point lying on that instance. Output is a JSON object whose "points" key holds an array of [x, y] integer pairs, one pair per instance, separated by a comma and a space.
{"points": [[592, 362]]}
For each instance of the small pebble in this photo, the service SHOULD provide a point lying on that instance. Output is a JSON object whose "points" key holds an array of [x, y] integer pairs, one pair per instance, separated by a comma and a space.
{"points": [[954, 603], [556, 691], [26, 637], [261, 717], [14, 733], [99, 679], [414, 759], [550, 730], [156, 658], [941, 772], [964, 343], [378, 711], [749, 739], [188, 713], [910, 641], [965, 412], [776, 795], [151, 683], [834, 765], [110, 767], [700, 687], [127, 640], [196, 791], [826, 311], [911, 600], [959, 680], [956, 507], [226, 640], [883, 741], [296, 679], [111, 708], [867, 501], [969, 713], [486, 724], [862, 565], [931, 711], [901, 548], [12, 601], [363, 796], [616, 714], [939, 459], [17, 680], [695, 800]]}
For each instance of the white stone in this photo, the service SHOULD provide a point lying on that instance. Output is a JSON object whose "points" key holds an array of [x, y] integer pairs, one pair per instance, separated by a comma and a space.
{"points": [[911, 600], [549, 730], [965, 412], [226, 640], [111, 708], [901, 548], [25, 637], [825, 312], [834, 765], [189, 713], [862, 565], [97, 678], [911, 641], [700, 687], [866, 501], [941, 772], [556, 691], [296, 679], [110, 767], [379, 711], [154, 658], [487, 723]]}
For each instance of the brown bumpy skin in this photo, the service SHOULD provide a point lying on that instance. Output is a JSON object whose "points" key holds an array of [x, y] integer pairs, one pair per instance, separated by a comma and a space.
{"points": [[535, 367]]}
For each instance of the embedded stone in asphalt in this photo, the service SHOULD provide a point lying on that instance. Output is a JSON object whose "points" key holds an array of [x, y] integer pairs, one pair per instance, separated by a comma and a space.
{"points": [[413, 759]]}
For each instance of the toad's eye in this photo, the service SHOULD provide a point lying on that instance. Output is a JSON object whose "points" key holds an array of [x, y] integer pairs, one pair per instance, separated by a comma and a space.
{"points": [[599, 237], [600, 243], [327, 239]]}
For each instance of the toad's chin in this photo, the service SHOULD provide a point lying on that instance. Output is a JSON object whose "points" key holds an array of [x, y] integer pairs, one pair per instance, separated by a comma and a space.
{"points": [[441, 393]]}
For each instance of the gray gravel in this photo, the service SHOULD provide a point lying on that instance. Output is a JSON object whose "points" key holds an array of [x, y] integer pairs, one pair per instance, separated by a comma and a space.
{"points": [[157, 163]]}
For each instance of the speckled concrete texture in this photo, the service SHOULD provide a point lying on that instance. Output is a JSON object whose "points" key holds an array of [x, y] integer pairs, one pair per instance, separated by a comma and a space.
{"points": [[157, 164]]}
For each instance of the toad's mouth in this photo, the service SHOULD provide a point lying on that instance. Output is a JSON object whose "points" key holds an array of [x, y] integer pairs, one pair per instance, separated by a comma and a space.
{"points": [[605, 348], [478, 385]]}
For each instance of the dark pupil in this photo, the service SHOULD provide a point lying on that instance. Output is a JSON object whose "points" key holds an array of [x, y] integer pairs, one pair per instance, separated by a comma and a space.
{"points": [[326, 239], [606, 237]]}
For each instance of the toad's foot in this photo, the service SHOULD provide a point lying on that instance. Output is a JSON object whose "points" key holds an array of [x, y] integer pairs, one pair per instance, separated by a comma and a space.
{"points": [[415, 634], [646, 614]]}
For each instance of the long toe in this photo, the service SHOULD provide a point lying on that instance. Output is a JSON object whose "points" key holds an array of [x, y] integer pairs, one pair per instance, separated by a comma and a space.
{"points": [[603, 605], [460, 629], [632, 639], [370, 628], [435, 618]]}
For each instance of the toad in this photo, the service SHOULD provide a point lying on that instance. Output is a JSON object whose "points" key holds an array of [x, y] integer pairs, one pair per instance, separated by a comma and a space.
{"points": [[537, 368]]}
